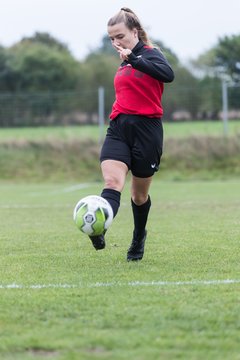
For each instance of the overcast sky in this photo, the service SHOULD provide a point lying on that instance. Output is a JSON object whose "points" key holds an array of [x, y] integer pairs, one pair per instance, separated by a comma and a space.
{"points": [[188, 27]]}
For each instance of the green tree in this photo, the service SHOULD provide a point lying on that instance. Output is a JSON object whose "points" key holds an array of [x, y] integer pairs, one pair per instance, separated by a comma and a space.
{"points": [[210, 97], [35, 70], [167, 52], [106, 47], [228, 56], [4, 71], [38, 67], [223, 59], [97, 70], [46, 39], [221, 62], [182, 94]]}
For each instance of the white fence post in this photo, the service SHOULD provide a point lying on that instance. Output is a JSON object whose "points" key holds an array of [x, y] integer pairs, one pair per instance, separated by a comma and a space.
{"points": [[225, 106]]}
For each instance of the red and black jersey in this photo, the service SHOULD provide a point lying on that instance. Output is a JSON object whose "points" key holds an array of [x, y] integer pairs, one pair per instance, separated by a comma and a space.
{"points": [[139, 83]]}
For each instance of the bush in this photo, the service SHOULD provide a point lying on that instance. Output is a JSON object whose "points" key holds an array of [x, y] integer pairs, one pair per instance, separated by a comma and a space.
{"points": [[67, 160]]}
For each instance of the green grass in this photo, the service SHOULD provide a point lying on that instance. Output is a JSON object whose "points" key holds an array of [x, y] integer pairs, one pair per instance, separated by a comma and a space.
{"points": [[193, 235], [200, 128], [51, 133], [172, 130], [192, 150]]}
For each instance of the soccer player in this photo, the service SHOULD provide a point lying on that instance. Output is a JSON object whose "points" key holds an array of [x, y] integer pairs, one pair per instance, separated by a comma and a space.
{"points": [[134, 137]]}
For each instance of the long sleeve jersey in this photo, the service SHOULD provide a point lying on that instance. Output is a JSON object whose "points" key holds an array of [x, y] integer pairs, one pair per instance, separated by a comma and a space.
{"points": [[139, 83]]}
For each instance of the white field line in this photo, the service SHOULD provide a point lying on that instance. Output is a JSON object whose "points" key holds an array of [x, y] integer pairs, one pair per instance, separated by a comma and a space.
{"points": [[53, 192], [39, 206], [73, 188], [122, 284], [63, 190]]}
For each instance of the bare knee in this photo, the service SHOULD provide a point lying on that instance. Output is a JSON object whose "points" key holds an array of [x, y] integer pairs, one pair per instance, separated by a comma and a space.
{"points": [[140, 189], [139, 198], [112, 181], [114, 174]]}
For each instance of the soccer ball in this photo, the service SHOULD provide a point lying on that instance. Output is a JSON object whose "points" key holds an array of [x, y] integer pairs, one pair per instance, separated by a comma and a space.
{"points": [[93, 215]]}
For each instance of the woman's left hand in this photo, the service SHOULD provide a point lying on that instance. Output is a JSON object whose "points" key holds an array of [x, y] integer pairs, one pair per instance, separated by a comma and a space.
{"points": [[123, 53]]}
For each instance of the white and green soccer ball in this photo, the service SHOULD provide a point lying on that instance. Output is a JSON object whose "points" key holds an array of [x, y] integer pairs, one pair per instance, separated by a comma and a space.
{"points": [[93, 215]]}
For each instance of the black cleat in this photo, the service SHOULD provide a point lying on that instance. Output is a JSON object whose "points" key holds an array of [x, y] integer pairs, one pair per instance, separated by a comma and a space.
{"points": [[98, 241], [136, 250]]}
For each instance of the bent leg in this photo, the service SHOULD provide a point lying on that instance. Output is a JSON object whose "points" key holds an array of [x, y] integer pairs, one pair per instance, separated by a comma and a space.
{"points": [[114, 175]]}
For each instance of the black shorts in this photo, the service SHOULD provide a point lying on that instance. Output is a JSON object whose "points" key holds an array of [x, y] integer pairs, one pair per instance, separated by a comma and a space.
{"points": [[135, 140]]}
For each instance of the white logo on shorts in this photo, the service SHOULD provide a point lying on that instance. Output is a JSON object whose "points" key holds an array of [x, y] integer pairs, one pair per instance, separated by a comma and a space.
{"points": [[153, 166]]}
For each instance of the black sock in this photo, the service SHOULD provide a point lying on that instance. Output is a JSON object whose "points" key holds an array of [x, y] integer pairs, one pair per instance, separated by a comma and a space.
{"points": [[113, 197], [140, 216]]}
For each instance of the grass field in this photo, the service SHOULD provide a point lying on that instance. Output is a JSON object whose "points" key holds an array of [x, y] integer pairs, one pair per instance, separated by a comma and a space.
{"points": [[60, 299], [172, 130], [192, 150]]}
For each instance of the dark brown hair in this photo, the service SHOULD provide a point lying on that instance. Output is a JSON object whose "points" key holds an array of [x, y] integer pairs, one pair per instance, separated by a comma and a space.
{"points": [[130, 19]]}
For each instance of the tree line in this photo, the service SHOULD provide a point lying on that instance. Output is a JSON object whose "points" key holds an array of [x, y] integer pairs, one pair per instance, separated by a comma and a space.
{"points": [[42, 82]]}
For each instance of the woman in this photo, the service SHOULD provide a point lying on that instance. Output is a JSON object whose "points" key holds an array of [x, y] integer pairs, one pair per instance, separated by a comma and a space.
{"points": [[135, 136]]}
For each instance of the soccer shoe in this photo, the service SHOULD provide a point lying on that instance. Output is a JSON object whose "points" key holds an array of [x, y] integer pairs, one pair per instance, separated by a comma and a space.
{"points": [[136, 250], [98, 241]]}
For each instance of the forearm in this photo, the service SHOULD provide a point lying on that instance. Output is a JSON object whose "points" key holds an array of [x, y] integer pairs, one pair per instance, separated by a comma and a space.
{"points": [[157, 67]]}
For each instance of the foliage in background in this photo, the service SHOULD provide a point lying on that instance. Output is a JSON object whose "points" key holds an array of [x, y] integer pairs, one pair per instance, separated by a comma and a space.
{"points": [[36, 66], [179, 97], [222, 62], [223, 58], [71, 154], [42, 83]]}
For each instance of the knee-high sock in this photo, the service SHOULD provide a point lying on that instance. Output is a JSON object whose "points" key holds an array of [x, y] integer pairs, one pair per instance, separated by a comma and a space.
{"points": [[140, 216], [113, 197]]}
